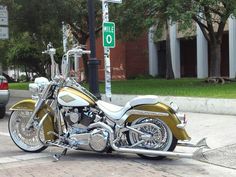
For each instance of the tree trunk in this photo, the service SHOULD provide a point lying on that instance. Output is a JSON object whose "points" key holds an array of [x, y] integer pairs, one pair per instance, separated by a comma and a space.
{"points": [[215, 56], [26, 74], [169, 68]]}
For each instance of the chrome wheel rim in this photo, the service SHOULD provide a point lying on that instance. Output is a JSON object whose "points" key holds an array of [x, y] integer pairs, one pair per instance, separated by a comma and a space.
{"points": [[25, 139], [157, 135]]}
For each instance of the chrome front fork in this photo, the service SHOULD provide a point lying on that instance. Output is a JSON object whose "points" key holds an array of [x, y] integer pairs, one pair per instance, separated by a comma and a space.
{"points": [[38, 105]]}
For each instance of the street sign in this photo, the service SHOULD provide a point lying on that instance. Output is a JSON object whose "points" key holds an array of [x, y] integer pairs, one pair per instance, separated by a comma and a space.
{"points": [[4, 34], [3, 15], [109, 34], [113, 1]]}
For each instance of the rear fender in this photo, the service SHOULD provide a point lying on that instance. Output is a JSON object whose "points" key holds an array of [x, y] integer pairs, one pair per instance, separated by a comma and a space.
{"points": [[167, 115], [29, 105]]}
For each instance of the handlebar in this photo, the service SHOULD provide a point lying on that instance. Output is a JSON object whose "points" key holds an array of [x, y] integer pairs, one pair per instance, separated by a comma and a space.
{"points": [[77, 51]]}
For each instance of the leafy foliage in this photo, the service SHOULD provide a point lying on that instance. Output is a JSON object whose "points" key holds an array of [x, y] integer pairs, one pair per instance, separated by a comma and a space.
{"points": [[23, 51], [210, 15]]}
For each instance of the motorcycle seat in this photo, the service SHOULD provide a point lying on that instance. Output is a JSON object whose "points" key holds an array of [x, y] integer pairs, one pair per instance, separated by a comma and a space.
{"points": [[116, 112]]}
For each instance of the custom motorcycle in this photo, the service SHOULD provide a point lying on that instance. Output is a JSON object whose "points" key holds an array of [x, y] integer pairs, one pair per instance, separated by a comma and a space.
{"points": [[62, 113]]}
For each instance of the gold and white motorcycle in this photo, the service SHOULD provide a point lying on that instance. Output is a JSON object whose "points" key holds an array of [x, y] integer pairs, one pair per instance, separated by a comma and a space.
{"points": [[62, 113]]}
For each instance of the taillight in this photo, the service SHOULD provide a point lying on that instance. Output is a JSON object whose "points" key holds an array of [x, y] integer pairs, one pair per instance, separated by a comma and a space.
{"points": [[4, 85]]}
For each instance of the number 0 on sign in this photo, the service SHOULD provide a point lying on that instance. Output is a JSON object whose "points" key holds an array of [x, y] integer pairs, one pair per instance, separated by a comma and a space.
{"points": [[109, 34]]}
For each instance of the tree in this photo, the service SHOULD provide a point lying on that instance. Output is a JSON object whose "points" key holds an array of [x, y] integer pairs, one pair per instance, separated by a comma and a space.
{"points": [[75, 13], [135, 18], [23, 52], [42, 20], [31, 26], [211, 16]]}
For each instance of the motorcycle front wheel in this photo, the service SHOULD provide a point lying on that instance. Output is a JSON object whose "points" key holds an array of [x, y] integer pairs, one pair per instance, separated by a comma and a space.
{"points": [[161, 138], [25, 139]]}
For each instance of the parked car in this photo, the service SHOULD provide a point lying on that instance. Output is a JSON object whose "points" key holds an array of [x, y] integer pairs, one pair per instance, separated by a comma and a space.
{"points": [[4, 95]]}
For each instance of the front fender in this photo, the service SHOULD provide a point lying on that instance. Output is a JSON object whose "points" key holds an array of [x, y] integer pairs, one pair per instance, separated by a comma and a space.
{"points": [[29, 105], [170, 118]]}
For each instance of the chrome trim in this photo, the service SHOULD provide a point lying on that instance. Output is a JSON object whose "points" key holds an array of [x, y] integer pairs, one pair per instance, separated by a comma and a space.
{"points": [[138, 151], [181, 126], [182, 118], [200, 144], [174, 106], [146, 113]]}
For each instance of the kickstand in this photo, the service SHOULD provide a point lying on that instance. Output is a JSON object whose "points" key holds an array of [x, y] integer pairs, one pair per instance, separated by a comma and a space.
{"points": [[57, 157]]}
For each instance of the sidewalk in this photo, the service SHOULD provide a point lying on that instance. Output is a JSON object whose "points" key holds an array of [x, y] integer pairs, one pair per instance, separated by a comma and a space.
{"points": [[186, 104], [220, 160], [219, 130]]}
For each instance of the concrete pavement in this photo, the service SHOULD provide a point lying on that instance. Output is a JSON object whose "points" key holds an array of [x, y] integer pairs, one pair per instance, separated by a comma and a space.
{"points": [[219, 161]]}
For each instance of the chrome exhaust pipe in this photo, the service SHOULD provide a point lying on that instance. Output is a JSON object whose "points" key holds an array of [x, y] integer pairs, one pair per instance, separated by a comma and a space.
{"points": [[143, 151], [200, 144]]}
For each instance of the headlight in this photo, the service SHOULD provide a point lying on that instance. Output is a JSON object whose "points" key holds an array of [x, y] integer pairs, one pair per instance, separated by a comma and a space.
{"points": [[34, 88], [37, 87]]}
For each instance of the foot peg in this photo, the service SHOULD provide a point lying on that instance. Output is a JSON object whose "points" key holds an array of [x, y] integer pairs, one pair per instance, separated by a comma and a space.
{"points": [[57, 157]]}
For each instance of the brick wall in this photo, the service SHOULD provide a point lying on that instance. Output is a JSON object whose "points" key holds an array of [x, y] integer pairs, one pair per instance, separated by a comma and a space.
{"points": [[128, 59], [137, 57]]}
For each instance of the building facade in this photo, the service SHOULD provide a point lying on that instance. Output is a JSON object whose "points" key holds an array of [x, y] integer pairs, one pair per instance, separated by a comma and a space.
{"points": [[190, 56]]}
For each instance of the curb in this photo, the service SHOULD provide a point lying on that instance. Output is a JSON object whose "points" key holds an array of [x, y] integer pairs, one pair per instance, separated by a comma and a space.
{"points": [[185, 104], [189, 104]]}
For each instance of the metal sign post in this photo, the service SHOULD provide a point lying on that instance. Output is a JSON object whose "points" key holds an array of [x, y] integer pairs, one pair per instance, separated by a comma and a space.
{"points": [[64, 36], [108, 42], [107, 62]]}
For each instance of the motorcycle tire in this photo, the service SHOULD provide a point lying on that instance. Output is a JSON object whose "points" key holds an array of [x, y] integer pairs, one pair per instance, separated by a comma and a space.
{"points": [[168, 145], [26, 140]]}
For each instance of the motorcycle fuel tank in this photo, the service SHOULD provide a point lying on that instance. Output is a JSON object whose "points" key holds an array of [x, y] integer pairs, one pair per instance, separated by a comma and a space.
{"points": [[71, 97]]}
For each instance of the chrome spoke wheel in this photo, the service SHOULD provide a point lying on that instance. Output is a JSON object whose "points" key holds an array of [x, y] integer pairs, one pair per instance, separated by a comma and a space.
{"points": [[156, 135], [26, 139]]}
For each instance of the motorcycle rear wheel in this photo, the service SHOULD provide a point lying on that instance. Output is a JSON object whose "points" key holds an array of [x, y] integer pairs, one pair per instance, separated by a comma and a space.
{"points": [[27, 140], [162, 137]]}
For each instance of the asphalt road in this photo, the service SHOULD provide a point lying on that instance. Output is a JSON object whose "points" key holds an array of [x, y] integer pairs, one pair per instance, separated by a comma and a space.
{"points": [[219, 161]]}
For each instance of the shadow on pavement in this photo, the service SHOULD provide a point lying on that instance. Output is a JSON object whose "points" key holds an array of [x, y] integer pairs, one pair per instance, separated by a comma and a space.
{"points": [[225, 156]]}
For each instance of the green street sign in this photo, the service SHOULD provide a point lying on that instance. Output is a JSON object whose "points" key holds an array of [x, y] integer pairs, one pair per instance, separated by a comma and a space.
{"points": [[109, 38]]}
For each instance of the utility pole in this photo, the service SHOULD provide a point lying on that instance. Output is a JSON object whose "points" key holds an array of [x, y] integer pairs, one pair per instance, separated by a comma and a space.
{"points": [[93, 62]]}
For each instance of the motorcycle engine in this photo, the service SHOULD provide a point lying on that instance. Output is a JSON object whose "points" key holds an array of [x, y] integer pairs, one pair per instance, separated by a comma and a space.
{"points": [[78, 119], [78, 116], [98, 140]]}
